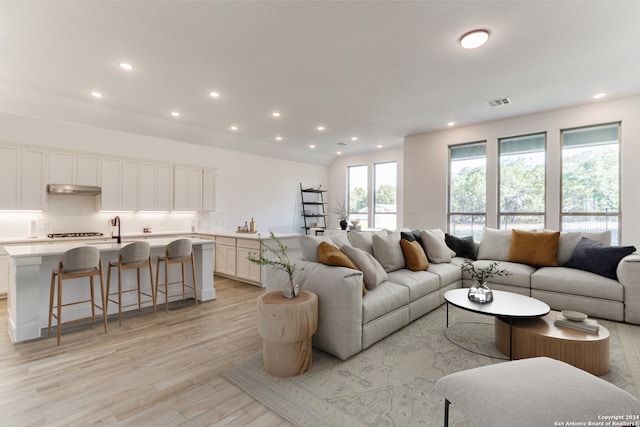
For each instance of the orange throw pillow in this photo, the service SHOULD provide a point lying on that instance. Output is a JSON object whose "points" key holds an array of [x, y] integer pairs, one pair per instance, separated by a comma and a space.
{"points": [[414, 255], [534, 248]]}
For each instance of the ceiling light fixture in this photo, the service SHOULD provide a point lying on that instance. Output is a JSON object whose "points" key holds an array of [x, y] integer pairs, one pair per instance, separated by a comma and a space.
{"points": [[96, 94], [320, 128], [233, 127], [474, 39], [599, 95], [214, 94], [312, 146], [175, 114], [354, 138], [278, 138], [275, 114], [125, 66], [338, 152], [451, 124], [379, 146]]}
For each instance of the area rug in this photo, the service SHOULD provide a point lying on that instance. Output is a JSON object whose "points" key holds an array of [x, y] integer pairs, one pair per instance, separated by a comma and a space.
{"points": [[392, 382]]}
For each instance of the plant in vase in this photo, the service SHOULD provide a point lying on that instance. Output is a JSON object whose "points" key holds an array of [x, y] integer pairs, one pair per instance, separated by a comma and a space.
{"points": [[480, 292], [341, 212], [279, 261]]}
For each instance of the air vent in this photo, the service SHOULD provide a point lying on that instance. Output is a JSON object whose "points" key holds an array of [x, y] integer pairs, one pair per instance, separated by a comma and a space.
{"points": [[341, 143], [499, 101]]}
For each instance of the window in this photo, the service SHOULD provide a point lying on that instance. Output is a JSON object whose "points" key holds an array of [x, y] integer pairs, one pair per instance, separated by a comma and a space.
{"points": [[591, 179], [385, 179], [358, 194], [384, 201], [522, 182], [467, 189]]}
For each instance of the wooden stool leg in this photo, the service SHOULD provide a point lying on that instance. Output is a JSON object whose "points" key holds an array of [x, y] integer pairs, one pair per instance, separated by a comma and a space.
{"points": [[119, 295], [193, 273], [106, 303], [153, 293], [51, 296], [138, 277], [104, 300], [59, 317], [93, 303], [183, 289], [166, 285]]}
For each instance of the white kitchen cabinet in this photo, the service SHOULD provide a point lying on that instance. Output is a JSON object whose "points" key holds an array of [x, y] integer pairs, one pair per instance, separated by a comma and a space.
{"points": [[111, 177], [226, 256], [71, 168], [4, 275], [156, 187], [22, 173], [245, 269], [187, 189], [164, 179], [208, 190], [130, 185]]}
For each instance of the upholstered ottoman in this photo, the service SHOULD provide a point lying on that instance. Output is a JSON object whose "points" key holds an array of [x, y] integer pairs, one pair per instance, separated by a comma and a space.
{"points": [[537, 392]]}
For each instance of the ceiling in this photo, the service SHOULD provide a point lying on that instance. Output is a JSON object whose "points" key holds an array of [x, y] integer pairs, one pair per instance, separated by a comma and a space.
{"points": [[377, 71]]}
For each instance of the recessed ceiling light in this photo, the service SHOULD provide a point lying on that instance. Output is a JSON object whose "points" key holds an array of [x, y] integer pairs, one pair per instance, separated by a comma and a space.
{"points": [[338, 152], [320, 128], [451, 124], [275, 114], [233, 127], [474, 39], [599, 95], [354, 138], [125, 66], [214, 94], [96, 94], [278, 138], [379, 146], [312, 146], [175, 114]]}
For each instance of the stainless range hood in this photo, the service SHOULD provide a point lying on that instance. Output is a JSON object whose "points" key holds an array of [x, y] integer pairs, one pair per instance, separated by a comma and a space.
{"points": [[73, 189]]}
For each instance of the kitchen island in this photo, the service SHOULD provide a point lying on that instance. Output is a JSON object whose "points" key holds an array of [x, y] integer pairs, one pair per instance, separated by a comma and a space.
{"points": [[30, 275]]}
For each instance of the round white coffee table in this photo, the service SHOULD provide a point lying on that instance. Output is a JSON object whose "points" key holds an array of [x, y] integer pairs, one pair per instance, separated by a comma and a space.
{"points": [[507, 305]]}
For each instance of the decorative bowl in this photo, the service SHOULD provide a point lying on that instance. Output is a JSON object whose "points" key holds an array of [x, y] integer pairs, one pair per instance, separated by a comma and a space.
{"points": [[574, 316]]}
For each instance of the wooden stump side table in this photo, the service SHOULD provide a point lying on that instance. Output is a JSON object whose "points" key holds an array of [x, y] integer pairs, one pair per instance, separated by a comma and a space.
{"points": [[286, 326]]}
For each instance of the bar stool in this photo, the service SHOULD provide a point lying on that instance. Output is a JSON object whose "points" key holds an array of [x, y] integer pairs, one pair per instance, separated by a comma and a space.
{"points": [[135, 255], [75, 263], [177, 252]]}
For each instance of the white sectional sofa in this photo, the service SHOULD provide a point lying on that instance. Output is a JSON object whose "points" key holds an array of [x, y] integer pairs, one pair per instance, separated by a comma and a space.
{"points": [[349, 321]]}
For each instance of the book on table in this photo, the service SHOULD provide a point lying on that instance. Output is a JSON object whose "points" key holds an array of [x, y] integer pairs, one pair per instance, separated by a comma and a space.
{"points": [[587, 325]]}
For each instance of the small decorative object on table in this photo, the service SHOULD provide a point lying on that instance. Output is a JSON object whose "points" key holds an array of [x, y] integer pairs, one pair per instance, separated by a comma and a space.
{"points": [[480, 292], [280, 262], [341, 212]]}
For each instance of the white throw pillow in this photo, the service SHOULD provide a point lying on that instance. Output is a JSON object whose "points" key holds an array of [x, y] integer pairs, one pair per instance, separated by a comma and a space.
{"points": [[309, 244], [495, 244], [364, 239], [371, 269], [435, 247], [388, 252]]}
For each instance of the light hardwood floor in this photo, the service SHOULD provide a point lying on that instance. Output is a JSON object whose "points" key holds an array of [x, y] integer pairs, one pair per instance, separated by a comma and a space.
{"points": [[164, 371]]}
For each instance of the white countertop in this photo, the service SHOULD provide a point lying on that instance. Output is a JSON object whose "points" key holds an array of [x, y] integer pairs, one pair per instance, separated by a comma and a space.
{"points": [[59, 248]]}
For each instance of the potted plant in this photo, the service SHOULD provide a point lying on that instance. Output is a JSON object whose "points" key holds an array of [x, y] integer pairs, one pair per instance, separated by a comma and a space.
{"points": [[279, 261], [480, 292], [341, 212]]}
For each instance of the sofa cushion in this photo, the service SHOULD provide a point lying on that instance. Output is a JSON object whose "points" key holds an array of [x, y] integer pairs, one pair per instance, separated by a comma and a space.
{"points": [[569, 240], [414, 255], [388, 252], [330, 255], [364, 239], [373, 272], [595, 257], [519, 274], [419, 283], [309, 244], [382, 300], [576, 282], [494, 244], [448, 272], [436, 249], [534, 248], [464, 247]]}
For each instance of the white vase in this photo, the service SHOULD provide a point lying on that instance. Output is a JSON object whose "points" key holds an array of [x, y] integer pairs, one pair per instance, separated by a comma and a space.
{"points": [[480, 293], [290, 290]]}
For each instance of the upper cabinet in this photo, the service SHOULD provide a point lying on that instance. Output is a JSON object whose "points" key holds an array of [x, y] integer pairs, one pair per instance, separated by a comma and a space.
{"points": [[69, 168], [22, 173], [156, 187], [187, 194], [208, 190], [120, 185]]}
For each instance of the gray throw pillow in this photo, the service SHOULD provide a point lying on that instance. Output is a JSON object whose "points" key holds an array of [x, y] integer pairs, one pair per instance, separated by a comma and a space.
{"points": [[569, 240], [597, 258], [388, 252], [364, 239], [495, 244], [371, 269], [435, 246]]}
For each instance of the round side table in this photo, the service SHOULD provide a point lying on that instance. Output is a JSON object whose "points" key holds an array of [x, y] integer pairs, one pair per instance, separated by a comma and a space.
{"points": [[286, 326]]}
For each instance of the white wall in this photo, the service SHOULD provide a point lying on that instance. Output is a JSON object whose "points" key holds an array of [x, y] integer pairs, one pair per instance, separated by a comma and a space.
{"points": [[338, 177], [426, 162], [247, 185]]}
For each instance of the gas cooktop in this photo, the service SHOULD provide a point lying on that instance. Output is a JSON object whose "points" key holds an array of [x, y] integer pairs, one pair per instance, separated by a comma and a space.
{"points": [[78, 234]]}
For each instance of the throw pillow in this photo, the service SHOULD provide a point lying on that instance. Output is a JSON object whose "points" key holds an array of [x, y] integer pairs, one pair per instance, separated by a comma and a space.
{"points": [[330, 255], [569, 240], [309, 244], [412, 236], [494, 244], [434, 246], [414, 255], [597, 258], [464, 247], [371, 269], [388, 252], [364, 239], [534, 248]]}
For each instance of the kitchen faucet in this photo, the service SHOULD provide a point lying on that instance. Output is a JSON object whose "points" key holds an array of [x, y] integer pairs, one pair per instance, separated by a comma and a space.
{"points": [[116, 221]]}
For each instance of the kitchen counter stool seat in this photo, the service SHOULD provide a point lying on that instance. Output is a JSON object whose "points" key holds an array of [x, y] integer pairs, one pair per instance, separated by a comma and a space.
{"points": [[76, 263], [177, 252], [136, 255]]}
